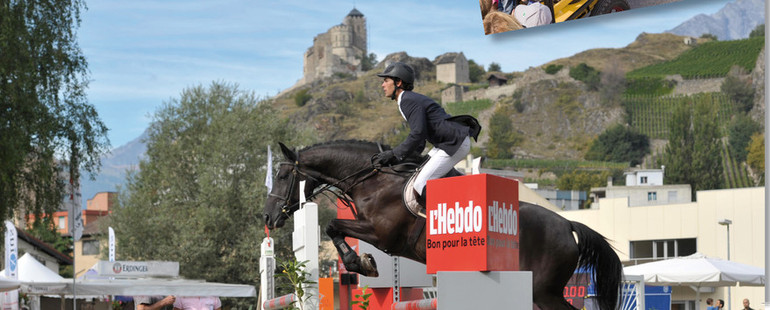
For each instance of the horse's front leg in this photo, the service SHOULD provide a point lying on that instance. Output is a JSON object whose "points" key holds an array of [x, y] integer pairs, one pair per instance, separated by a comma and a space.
{"points": [[339, 229]]}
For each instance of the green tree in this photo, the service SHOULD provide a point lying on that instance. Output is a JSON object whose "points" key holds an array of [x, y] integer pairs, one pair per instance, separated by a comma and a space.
{"points": [[707, 161], [619, 144], [692, 155], [47, 127], [502, 135], [586, 74], [368, 62], [740, 130], [679, 151], [582, 180], [475, 71], [756, 156], [739, 89], [709, 36], [302, 97], [553, 69], [494, 67], [44, 229], [197, 197], [759, 31]]}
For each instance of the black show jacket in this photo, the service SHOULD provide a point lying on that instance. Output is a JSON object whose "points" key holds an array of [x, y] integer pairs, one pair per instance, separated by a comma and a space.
{"points": [[428, 122]]}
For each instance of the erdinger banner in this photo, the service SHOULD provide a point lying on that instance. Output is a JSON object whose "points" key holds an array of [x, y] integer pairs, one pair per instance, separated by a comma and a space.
{"points": [[472, 224]]}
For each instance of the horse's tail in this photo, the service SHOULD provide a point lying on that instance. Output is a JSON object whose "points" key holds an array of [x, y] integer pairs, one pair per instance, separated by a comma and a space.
{"points": [[598, 255]]}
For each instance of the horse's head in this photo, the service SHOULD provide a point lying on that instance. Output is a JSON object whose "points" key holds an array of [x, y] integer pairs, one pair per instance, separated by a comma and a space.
{"points": [[283, 200]]}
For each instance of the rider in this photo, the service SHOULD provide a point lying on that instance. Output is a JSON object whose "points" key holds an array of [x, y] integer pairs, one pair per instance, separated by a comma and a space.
{"points": [[427, 122]]}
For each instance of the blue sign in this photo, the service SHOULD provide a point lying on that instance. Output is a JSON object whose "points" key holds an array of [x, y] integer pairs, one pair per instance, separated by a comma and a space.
{"points": [[13, 262]]}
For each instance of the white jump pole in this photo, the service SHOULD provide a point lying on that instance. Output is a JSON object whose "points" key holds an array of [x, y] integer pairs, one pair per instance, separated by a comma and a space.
{"points": [[305, 242], [267, 271]]}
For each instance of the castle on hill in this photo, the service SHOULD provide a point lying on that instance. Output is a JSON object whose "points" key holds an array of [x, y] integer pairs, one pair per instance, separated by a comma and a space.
{"points": [[338, 50]]}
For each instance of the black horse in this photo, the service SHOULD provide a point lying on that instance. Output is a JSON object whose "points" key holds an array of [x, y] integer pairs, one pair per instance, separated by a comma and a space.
{"points": [[547, 245]]}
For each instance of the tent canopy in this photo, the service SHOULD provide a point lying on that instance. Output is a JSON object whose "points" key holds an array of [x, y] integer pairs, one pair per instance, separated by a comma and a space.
{"points": [[177, 287], [36, 278], [698, 270]]}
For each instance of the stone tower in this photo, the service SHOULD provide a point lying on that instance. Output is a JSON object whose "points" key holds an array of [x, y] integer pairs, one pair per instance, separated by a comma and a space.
{"points": [[338, 50]]}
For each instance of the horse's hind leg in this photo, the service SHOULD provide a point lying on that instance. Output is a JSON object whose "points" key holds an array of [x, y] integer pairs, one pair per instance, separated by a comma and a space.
{"points": [[339, 229]]}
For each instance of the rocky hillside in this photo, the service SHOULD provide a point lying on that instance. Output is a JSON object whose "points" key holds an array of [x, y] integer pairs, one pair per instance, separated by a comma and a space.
{"points": [[646, 50], [558, 117]]}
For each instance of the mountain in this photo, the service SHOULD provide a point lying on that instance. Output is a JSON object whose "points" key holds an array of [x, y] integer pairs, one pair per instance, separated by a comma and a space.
{"points": [[114, 167], [735, 21]]}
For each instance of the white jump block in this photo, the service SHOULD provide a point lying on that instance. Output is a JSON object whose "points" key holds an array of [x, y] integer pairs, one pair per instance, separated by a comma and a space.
{"points": [[462, 290]]}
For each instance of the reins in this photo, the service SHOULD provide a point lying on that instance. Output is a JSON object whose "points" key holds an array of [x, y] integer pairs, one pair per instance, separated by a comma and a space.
{"points": [[287, 209]]}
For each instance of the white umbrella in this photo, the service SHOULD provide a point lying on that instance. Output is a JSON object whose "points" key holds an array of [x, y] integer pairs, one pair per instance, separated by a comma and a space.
{"points": [[698, 270]]}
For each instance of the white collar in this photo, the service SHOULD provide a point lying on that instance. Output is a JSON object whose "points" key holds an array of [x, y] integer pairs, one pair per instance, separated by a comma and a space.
{"points": [[399, 103]]}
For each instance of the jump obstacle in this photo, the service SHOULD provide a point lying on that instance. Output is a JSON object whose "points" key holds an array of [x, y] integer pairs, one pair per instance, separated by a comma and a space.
{"points": [[305, 243], [470, 272]]}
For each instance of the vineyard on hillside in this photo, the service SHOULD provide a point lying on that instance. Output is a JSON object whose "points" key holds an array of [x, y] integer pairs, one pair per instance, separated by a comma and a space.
{"points": [[707, 60], [650, 114]]}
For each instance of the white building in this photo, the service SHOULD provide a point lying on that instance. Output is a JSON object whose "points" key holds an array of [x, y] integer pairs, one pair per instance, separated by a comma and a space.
{"points": [[658, 231]]}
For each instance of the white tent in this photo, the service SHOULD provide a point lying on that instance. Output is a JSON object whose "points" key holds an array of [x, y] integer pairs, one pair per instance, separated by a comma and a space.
{"points": [[36, 278], [697, 271], [155, 286], [8, 284]]}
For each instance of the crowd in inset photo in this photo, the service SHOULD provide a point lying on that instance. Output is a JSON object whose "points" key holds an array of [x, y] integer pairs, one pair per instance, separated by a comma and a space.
{"points": [[506, 15]]}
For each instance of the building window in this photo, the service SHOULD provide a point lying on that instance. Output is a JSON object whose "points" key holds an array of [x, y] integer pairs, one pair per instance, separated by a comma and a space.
{"points": [[672, 196], [652, 196], [643, 180], [90, 247], [661, 249], [62, 222]]}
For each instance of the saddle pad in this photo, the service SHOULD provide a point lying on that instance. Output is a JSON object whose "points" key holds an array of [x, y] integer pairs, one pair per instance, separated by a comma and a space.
{"points": [[410, 197]]}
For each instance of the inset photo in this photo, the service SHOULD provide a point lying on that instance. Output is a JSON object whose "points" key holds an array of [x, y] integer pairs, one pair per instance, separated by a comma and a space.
{"points": [[507, 15]]}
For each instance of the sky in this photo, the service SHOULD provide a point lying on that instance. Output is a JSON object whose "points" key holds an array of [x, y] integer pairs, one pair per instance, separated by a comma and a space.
{"points": [[144, 53]]}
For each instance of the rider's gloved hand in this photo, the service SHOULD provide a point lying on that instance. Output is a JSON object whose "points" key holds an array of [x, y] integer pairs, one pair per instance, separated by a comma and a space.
{"points": [[385, 158]]}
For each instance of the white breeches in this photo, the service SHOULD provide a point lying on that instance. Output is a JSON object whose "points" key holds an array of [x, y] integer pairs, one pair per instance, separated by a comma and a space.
{"points": [[439, 164]]}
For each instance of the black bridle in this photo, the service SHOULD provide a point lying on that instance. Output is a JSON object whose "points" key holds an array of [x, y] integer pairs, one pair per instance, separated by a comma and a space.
{"points": [[287, 209]]}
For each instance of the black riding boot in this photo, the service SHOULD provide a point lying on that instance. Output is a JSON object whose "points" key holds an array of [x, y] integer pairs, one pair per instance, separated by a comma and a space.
{"points": [[421, 197]]}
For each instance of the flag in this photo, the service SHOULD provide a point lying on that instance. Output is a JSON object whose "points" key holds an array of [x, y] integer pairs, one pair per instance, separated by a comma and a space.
{"points": [[269, 175], [11, 251], [10, 299], [75, 213], [112, 244]]}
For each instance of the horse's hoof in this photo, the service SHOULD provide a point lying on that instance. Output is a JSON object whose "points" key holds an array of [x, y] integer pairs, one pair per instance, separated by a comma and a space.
{"points": [[369, 266]]}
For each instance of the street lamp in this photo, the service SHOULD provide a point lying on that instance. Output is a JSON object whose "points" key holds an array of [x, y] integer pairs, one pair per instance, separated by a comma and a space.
{"points": [[726, 222]]}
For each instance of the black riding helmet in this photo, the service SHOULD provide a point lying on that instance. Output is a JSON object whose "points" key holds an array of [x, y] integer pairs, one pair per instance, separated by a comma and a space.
{"points": [[401, 71]]}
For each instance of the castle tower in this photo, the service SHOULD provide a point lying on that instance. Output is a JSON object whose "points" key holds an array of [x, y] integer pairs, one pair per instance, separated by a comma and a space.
{"points": [[338, 50], [357, 22]]}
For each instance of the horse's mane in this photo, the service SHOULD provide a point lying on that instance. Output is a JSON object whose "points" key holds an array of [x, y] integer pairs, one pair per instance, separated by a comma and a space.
{"points": [[333, 143], [413, 158]]}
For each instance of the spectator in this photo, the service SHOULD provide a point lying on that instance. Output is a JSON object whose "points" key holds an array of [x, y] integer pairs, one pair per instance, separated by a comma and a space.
{"points": [[153, 302], [710, 304], [533, 14], [198, 303], [746, 304], [496, 22]]}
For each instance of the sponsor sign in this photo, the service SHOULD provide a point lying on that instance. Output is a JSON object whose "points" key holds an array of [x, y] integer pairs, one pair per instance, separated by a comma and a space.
{"points": [[472, 224], [132, 269]]}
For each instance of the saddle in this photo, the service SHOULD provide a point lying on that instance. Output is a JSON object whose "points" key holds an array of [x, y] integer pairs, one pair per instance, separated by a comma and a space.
{"points": [[410, 195]]}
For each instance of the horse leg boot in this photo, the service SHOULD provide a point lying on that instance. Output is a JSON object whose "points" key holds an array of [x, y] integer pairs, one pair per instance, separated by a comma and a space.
{"points": [[364, 265]]}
